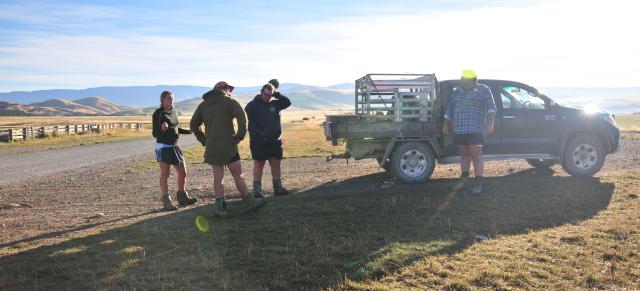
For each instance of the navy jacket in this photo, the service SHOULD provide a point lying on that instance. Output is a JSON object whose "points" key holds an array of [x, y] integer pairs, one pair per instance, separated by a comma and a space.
{"points": [[264, 118]]}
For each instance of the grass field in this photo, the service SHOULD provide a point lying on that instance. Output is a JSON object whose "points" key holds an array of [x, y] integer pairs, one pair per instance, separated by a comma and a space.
{"points": [[300, 139], [545, 232]]}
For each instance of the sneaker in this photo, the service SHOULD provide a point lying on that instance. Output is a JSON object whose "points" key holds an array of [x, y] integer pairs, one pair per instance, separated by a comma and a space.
{"points": [[251, 203], [184, 199], [477, 188], [219, 208], [168, 204]]}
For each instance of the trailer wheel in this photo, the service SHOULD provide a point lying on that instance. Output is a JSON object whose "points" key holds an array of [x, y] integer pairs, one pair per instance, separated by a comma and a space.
{"points": [[412, 162]]}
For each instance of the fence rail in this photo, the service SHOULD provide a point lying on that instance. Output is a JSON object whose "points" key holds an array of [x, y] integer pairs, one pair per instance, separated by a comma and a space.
{"points": [[10, 134]]}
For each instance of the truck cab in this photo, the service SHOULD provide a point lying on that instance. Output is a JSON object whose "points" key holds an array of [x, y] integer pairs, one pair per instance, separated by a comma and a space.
{"points": [[398, 121]]}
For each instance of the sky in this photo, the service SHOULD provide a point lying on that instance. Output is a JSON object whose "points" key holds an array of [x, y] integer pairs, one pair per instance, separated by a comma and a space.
{"points": [[80, 44]]}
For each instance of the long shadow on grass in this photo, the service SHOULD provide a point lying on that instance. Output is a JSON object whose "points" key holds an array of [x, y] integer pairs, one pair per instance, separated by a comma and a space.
{"points": [[360, 228]]}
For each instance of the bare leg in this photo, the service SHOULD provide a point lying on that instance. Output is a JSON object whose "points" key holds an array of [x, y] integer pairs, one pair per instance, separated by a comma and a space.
{"points": [[218, 179], [236, 171], [181, 171], [164, 176], [258, 167], [275, 168], [465, 154], [478, 161]]}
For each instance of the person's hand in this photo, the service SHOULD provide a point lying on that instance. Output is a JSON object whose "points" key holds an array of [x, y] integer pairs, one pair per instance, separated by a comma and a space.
{"points": [[164, 126], [489, 130], [276, 95]]}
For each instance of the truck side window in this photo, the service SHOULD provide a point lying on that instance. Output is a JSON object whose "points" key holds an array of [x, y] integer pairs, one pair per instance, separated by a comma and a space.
{"points": [[520, 98], [506, 100]]}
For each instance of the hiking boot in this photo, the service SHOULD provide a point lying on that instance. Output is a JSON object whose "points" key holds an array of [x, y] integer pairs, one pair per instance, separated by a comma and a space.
{"points": [[218, 208], [168, 204], [184, 199], [462, 183], [477, 188], [278, 189], [250, 202], [257, 189]]}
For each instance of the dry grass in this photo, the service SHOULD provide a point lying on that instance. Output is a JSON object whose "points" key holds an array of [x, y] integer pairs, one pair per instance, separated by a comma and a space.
{"points": [[71, 140], [300, 139]]}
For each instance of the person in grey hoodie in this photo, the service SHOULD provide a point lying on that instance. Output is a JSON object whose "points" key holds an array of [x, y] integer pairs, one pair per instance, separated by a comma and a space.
{"points": [[217, 111]]}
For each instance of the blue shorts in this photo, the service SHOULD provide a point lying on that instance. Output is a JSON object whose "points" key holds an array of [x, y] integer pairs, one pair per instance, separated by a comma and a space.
{"points": [[171, 155]]}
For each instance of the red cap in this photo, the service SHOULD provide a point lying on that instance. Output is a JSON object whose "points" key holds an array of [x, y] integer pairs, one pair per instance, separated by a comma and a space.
{"points": [[222, 85]]}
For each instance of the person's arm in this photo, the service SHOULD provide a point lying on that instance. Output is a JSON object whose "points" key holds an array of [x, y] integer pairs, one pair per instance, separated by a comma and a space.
{"points": [[194, 126], [281, 102], [155, 124], [490, 106], [448, 115], [241, 119]]}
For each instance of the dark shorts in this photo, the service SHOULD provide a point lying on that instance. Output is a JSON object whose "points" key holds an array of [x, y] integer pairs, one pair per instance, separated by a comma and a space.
{"points": [[263, 151], [235, 158], [468, 139], [170, 155]]}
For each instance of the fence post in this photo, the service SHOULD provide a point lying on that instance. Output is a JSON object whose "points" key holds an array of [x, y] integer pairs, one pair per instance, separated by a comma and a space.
{"points": [[41, 132], [10, 134], [24, 133]]}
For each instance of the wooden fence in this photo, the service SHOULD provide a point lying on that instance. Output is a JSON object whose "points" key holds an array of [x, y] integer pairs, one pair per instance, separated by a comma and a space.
{"points": [[9, 134]]}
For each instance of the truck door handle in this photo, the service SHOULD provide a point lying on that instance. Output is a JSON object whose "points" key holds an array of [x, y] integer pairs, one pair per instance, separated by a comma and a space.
{"points": [[509, 117]]}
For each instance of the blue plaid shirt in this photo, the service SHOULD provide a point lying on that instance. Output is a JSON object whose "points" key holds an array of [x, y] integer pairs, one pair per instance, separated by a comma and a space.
{"points": [[468, 110]]}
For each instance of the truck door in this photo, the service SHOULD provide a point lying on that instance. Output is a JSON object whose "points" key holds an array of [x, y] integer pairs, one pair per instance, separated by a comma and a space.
{"points": [[527, 126]]}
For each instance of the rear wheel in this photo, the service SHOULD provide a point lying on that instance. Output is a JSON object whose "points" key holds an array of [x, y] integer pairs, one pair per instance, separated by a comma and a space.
{"points": [[542, 164], [584, 156], [412, 162]]}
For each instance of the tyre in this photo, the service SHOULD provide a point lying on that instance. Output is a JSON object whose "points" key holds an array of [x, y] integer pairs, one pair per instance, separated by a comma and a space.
{"points": [[584, 156], [542, 164], [412, 162]]}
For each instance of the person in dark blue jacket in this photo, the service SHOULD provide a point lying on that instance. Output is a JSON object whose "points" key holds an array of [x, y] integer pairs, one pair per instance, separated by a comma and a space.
{"points": [[265, 131]]}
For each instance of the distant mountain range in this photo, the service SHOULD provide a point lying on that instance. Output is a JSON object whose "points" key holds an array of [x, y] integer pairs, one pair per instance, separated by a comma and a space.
{"points": [[143, 100]]}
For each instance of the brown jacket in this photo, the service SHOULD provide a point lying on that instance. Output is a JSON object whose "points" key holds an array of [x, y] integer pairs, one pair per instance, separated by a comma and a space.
{"points": [[217, 112]]}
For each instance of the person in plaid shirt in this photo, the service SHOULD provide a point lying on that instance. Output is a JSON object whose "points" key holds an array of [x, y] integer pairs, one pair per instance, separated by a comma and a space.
{"points": [[470, 111]]}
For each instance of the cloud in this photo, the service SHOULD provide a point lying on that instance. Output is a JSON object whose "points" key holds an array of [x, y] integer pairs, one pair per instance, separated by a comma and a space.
{"points": [[559, 43]]}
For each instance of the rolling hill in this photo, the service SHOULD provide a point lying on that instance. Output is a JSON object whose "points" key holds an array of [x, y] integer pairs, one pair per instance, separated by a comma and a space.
{"points": [[63, 107]]}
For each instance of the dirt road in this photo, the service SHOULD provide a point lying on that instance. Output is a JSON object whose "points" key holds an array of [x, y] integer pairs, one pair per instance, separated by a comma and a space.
{"points": [[26, 166]]}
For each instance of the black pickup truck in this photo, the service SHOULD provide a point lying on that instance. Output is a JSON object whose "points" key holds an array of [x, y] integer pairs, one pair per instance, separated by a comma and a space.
{"points": [[398, 120]]}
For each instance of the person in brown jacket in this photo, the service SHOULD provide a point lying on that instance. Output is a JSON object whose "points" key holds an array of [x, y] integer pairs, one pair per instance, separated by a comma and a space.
{"points": [[217, 112]]}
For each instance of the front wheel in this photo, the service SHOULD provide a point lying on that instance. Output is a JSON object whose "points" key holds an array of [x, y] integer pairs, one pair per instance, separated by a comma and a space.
{"points": [[412, 162], [584, 156]]}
